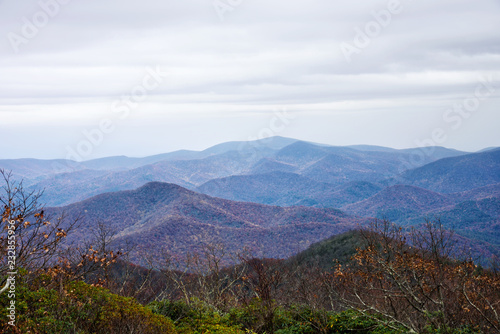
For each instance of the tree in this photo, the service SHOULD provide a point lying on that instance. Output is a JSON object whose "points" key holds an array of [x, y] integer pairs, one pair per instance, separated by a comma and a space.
{"points": [[263, 280], [29, 239], [90, 260], [204, 275], [413, 280], [34, 241]]}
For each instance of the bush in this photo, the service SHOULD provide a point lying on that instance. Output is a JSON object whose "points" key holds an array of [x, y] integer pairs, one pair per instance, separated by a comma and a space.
{"points": [[301, 320], [196, 318], [80, 308], [305, 320], [351, 321]]}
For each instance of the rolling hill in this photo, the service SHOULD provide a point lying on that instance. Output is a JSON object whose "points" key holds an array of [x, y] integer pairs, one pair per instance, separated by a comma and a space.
{"points": [[491, 191], [160, 216], [70, 187], [456, 174], [473, 214], [339, 165], [67, 182], [399, 202], [273, 196], [287, 189]]}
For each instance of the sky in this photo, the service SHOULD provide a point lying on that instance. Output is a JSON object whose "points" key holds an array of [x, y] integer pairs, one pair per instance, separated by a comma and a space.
{"points": [[94, 78]]}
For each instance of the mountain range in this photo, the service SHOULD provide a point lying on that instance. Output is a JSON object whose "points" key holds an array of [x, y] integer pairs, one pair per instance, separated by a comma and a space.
{"points": [[67, 182], [274, 196], [159, 216]]}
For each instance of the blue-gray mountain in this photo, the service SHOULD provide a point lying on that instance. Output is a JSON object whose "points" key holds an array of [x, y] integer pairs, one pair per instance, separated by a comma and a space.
{"points": [[161, 216], [67, 182], [461, 189]]}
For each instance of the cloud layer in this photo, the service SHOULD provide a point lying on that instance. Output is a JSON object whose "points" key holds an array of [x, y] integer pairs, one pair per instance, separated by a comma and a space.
{"points": [[228, 66]]}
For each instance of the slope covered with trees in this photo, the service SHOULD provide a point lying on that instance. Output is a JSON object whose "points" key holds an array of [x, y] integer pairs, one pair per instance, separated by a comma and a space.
{"points": [[161, 215]]}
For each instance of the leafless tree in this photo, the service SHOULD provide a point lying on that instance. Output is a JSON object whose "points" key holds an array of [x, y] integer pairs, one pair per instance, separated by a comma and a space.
{"points": [[90, 260], [29, 239], [411, 280], [210, 275]]}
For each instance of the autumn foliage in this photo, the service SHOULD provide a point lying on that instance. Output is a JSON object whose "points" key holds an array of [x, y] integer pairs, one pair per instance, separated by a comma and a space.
{"points": [[415, 281]]}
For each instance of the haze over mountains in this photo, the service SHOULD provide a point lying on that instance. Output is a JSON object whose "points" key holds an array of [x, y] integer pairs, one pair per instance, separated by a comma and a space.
{"points": [[160, 216], [274, 196], [67, 181], [456, 174]]}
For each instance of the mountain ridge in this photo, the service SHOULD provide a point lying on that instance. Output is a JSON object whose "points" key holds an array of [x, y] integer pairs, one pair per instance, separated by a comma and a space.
{"points": [[160, 215]]}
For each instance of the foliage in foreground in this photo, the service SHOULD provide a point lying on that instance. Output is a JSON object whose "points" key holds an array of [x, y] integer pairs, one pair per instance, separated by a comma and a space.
{"points": [[195, 318], [199, 318], [79, 308], [414, 281]]}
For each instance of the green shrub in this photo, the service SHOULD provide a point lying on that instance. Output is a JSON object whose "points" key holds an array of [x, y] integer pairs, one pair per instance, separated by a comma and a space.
{"points": [[447, 330], [196, 318], [301, 320], [305, 320], [352, 321], [80, 308], [248, 317], [258, 316]]}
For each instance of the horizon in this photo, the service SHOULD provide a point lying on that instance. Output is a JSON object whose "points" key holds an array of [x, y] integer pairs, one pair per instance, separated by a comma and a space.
{"points": [[249, 141], [157, 76]]}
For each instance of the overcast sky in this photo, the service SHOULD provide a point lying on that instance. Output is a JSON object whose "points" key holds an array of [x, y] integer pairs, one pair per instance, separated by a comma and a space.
{"points": [[150, 76]]}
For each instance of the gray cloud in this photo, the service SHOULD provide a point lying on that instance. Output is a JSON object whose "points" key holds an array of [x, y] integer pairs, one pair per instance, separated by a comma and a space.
{"points": [[264, 54]]}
